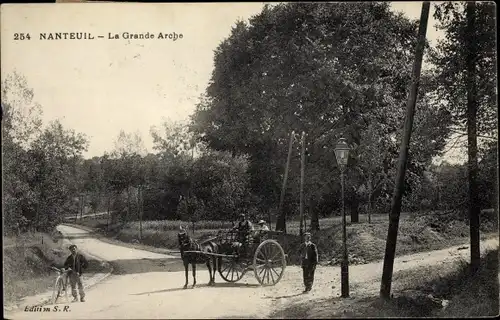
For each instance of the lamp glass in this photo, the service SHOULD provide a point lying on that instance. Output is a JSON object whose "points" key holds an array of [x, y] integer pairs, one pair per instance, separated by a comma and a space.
{"points": [[342, 152]]}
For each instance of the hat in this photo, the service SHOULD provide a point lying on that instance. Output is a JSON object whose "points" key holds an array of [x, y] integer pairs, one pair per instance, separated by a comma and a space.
{"points": [[307, 233], [261, 222], [72, 246], [242, 214]]}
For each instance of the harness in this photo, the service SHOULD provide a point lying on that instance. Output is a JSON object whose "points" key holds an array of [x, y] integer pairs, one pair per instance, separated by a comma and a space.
{"points": [[188, 244]]}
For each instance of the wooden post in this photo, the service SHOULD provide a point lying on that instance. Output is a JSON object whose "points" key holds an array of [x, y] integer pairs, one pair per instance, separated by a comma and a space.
{"points": [[128, 203], [370, 191], [140, 212], [302, 163], [78, 210], [281, 221], [392, 234], [109, 215], [81, 206], [305, 222]]}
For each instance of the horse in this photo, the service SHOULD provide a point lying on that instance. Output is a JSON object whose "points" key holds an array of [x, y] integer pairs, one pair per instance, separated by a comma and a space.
{"points": [[194, 258]]}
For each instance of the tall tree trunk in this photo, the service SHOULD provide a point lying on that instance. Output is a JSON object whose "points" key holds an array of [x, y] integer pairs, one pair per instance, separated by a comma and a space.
{"points": [[302, 171], [354, 208], [474, 209]]}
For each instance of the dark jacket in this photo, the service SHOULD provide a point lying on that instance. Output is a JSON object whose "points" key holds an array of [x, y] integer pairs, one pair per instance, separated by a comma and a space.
{"points": [[312, 254], [77, 263], [244, 229]]}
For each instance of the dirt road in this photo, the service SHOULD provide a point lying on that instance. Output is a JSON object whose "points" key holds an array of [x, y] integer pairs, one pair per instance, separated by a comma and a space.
{"points": [[149, 285]]}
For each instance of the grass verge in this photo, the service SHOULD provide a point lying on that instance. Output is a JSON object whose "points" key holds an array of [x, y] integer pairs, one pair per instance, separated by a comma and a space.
{"points": [[447, 291]]}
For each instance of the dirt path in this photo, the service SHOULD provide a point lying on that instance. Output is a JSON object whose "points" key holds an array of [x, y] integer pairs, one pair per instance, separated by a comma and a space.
{"points": [[149, 285]]}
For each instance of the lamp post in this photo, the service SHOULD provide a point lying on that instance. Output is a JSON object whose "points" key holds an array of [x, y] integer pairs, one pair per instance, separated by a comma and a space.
{"points": [[342, 154]]}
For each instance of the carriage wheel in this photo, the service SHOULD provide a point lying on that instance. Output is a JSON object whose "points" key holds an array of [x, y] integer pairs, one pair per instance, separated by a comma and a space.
{"points": [[230, 270], [269, 263]]}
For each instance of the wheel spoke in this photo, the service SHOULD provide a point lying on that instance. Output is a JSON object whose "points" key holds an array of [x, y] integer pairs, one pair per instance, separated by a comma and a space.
{"points": [[227, 274], [232, 274], [266, 252], [277, 274], [262, 270], [260, 260], [272, 252], [267, 275], [262, 255], [227, 266], [277, 253], [264, 276], [272, 277]]}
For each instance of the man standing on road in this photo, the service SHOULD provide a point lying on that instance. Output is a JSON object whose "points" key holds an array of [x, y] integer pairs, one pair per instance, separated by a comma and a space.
{"points": [[309, 262], [77, 263]]}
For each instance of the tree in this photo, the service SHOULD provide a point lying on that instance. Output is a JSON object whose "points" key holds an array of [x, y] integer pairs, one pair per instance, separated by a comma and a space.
{"points": [[174, 138], [53, 183], [21, 121], [37, 162], [128, 151], [21, 124], [328, 70], [465, 66]]}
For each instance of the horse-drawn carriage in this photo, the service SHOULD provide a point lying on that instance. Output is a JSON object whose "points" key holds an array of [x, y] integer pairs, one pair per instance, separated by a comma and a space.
{"points": [[261, 253]]}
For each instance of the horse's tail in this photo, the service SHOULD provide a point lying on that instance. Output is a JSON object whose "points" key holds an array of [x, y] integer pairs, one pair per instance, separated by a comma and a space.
{"points": [[213, 248]]}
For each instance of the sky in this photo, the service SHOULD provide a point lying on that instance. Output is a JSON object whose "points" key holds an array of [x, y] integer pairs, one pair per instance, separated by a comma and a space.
{"points": [[102, 86]]}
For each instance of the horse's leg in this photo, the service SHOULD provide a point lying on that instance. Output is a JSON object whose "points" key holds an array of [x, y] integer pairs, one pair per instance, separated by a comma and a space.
{"points": [[193, 265], [186, 267], [209, 271], [214, 262]]}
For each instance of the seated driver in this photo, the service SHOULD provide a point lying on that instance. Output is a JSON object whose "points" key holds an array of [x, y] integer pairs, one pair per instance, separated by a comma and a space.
{"points": [[244, 230]]}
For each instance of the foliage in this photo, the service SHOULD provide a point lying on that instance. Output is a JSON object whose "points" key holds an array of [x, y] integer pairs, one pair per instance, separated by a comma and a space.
{"points": [[449, 60], [328, 70], [38, 163]]}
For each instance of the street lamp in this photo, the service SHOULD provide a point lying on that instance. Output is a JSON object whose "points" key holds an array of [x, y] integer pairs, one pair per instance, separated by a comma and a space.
{"points": [[342, 154]]}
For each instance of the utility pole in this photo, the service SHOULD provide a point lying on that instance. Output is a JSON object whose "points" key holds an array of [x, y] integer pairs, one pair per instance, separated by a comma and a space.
{"points": [[281, 221], [78, 210], [302, 164], [109, 214], [140, 211], [82, 198], [392, 234]]}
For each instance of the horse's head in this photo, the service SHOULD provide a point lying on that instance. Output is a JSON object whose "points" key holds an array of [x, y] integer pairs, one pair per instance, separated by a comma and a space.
{"points": [[184, 239]]}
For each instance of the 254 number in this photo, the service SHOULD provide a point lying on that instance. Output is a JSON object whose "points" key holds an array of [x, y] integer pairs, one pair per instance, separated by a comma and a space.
{"points": [[22, 36]]}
